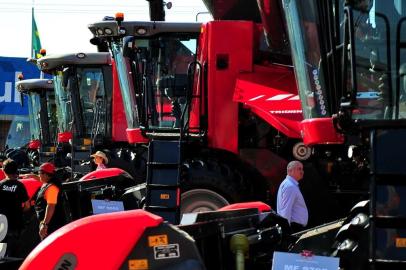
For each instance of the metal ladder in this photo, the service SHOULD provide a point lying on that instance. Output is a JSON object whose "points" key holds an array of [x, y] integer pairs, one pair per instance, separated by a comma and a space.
{"points": [[163, 179], [387, 243], [46, 153]]}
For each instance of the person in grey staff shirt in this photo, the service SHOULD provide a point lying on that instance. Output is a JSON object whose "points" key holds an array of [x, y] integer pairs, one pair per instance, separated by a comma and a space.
{"points": [[290, 203]]}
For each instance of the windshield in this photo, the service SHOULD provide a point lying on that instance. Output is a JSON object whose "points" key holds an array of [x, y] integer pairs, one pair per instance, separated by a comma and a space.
{"points": [[92, 97], [159, 81], [303, 27], [34, 114], [19, 132], [379, 61], [374, 79], [62, 102], [126, 84]]}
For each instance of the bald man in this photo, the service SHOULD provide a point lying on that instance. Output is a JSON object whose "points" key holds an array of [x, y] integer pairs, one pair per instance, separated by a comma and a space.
{"points": [[290, 202]]}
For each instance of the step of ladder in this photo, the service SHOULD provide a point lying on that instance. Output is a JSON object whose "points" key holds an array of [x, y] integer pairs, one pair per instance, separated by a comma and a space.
{"points": [[163, 176], [46, 153]]}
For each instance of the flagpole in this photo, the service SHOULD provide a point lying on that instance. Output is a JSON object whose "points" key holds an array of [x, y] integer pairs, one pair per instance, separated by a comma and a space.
{"points": [[35, 49], [32, 33]]}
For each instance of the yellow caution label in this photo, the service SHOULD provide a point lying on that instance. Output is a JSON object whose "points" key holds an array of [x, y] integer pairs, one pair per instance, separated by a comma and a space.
{"points": [[87, 141], [138, 264], [401, 242], [165, 196], [157, 240]]}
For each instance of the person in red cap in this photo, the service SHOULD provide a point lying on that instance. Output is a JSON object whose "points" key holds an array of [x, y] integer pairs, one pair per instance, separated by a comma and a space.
{"points": [[48, 202]]}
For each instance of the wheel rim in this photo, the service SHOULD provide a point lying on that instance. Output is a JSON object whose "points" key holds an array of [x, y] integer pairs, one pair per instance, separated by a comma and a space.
{"points": [[301, 151], [201, 200]]}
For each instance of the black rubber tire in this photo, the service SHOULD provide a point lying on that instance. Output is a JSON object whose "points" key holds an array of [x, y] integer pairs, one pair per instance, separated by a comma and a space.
{"points": [[216, 182]]}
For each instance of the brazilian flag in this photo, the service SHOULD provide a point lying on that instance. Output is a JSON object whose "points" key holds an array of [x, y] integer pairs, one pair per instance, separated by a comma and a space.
{"points": [[35, 41]]}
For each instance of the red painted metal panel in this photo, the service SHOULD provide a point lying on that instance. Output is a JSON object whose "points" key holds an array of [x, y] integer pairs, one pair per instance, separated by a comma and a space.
{"points": [[320, 131], [230, 51], [271, 93], [134, 135], [64, 137], [261, 206], [119, 122], [34, 144], [86, 241], [31, 185], [101, 174]]}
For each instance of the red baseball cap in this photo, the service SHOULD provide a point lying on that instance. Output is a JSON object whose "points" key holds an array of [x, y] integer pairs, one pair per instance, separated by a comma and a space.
{"points": [[48, 168]]}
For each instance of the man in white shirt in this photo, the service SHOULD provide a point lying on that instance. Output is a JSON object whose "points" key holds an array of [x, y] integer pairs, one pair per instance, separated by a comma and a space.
{"points": [[290, 202]]}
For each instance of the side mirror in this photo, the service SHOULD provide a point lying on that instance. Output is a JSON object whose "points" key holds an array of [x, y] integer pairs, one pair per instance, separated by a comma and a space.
{"points": [[21, 99]]}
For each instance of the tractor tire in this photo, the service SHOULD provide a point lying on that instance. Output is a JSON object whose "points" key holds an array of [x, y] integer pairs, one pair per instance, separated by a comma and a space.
{"points": [[209, 184]]}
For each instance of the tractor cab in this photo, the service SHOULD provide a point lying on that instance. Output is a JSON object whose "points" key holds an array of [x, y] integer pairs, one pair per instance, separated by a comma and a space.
{"points": [[83, 89], [153, 60], [350, 66], [43, 118]]}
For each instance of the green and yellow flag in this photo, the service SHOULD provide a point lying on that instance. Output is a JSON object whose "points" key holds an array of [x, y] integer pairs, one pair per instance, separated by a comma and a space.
{"points": [[35, 41]]}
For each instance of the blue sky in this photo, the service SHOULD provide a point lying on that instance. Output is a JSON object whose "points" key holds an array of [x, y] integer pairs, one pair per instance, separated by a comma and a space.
{"points": [[62, 24]]}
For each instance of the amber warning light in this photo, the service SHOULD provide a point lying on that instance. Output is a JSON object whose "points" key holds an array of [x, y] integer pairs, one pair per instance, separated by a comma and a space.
{"points": [[43, 52], [119, 16]]}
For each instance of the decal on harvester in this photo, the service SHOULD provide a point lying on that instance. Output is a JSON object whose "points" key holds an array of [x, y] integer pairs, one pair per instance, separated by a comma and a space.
{"points": [[166, 252], [141, 264], [286, 111], [164, 196], [401, 242], [67, 262], [157, 240]]}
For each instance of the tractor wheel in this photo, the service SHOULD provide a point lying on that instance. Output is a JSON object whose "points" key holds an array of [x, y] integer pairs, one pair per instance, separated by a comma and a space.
{"points": [[201, 200], [209, 184]]}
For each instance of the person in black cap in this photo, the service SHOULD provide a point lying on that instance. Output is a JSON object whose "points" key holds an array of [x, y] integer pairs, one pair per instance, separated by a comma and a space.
{"points": [[13, 201], [48, 202]]}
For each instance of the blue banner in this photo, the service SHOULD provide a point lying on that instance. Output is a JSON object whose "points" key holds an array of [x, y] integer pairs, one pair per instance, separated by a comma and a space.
{"points": [[10, 99]]}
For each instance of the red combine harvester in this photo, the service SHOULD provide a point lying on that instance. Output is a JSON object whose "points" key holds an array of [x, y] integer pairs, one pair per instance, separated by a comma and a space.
{"points": [[223, 120], [41, 108], [357, 53], [89, 95], [43, 118]]}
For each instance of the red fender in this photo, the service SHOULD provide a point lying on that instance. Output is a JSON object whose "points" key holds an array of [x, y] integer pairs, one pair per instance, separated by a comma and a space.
{"points": [[31, 185], [262, 207], [100, 174], [34, 144], [95, 242], [64, 137]]}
